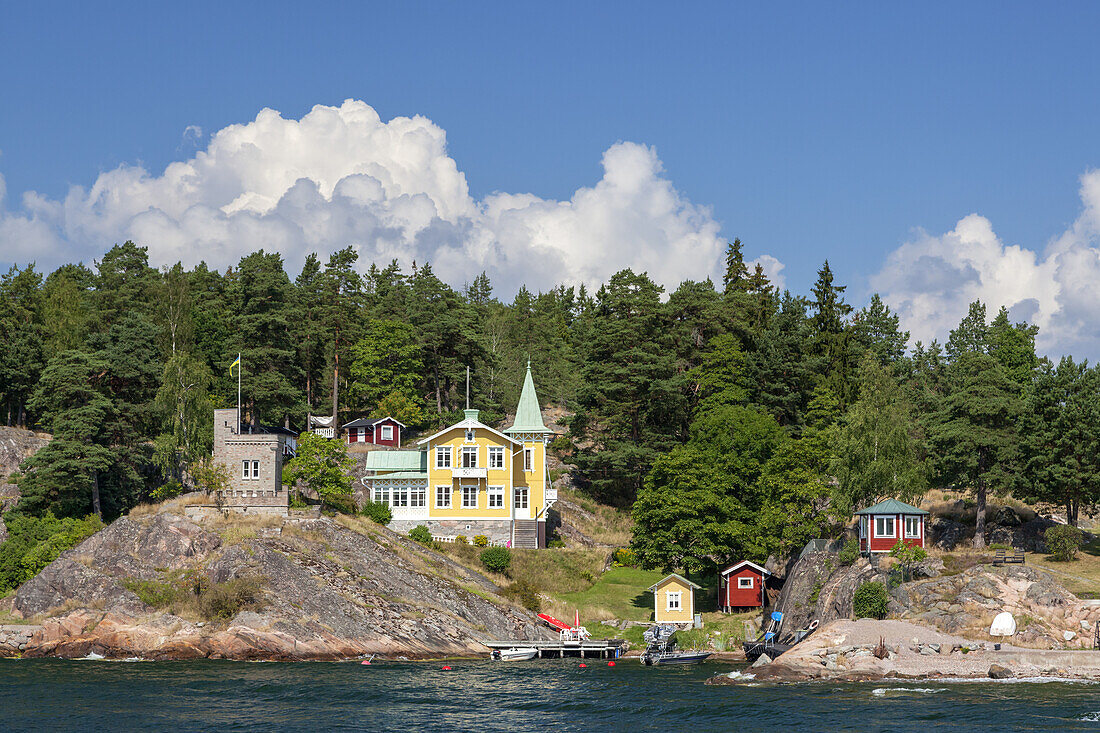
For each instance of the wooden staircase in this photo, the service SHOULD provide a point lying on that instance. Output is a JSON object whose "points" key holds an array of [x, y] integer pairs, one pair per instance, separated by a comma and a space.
{"points": [[526, 534]]}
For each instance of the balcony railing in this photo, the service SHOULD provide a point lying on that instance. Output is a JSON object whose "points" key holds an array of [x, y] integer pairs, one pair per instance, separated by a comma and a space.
{"points": [[470, 472]]}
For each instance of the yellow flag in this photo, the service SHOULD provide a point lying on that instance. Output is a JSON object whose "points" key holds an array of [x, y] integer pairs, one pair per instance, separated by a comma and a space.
{"points": [[237, 364]]}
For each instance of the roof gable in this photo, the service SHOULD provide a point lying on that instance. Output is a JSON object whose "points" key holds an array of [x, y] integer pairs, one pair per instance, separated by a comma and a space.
{"points": [[737, 566], [468, 424], [675, 576], [891, 506]]}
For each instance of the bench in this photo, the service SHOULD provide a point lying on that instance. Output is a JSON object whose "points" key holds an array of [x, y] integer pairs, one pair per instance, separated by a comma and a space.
{"points": [[1004, 557]]}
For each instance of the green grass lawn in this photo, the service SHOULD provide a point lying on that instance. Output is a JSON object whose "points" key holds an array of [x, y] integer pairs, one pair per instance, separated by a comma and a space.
{"points": [[620, 593]]}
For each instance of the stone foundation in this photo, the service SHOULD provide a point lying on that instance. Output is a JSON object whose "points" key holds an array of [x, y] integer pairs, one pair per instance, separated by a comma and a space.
{"points": [[197, 511], [497, 530]]}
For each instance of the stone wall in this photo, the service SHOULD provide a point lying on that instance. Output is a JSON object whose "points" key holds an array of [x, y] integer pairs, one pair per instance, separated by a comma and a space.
{"points": [[14, 639], [232, 450], [497, 530]]}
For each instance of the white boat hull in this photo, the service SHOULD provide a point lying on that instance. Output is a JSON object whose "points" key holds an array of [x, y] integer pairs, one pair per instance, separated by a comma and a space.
{"points": [[514, 655]]}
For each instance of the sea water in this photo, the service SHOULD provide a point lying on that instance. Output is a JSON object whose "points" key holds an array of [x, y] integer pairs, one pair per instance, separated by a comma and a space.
{"points": [[92, 695]]}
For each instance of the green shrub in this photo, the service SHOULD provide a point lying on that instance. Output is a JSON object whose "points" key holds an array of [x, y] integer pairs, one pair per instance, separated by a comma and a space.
{"points": [[420, 534], [624, 557], [870, 600], [460, 539], [496, 559], [225, 600], [296, 501], [169, 490], [526, 594], [153, 593], [849, 553], [556, 542], [1063, 542], [35, 542], [344, 504], [378, 512], [481, 541], [561, 444]]}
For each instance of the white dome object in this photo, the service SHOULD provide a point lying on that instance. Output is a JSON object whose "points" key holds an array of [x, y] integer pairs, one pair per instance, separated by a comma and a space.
{"points": [[1003, 625]]}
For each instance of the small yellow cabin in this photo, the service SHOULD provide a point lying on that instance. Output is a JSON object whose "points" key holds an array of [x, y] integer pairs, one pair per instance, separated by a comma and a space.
{"points": [[674, 600]]}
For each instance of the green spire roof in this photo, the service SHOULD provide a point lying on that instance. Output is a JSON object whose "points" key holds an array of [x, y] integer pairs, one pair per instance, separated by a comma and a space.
{"points": [[528, 415]]}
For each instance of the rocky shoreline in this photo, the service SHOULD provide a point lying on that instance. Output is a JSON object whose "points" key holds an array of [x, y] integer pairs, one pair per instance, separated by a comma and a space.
{"points": [[869, 650], [329, 590]]}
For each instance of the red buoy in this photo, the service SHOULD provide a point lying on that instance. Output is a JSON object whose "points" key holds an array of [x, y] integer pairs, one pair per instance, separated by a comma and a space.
{"points": [[446, 667], [610, 664], [582, 665]]}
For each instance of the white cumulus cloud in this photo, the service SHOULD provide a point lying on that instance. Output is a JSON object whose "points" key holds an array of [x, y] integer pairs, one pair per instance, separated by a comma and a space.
{"points": [[932, 279], [341, 176]]}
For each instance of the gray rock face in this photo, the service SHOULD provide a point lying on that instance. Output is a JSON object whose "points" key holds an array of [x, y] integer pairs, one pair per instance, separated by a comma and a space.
{"points": [[946, 534], [762, 660], [818, 587], [15, 447], [329, 591]]}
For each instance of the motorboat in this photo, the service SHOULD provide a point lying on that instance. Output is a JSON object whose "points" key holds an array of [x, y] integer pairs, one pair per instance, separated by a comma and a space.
{"points": [[662, 649], [514, 654]]}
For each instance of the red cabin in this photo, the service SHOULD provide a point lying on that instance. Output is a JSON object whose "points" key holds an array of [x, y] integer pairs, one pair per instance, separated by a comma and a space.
{"points": [[741, 585], [882, 525], [383, 431]]}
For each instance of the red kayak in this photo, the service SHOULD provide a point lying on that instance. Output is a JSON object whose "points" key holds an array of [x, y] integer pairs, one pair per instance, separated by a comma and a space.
{"points": [[554, 623]]}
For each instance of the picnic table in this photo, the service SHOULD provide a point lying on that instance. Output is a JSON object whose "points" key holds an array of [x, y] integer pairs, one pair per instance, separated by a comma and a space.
{"points": [[1004, 557]]}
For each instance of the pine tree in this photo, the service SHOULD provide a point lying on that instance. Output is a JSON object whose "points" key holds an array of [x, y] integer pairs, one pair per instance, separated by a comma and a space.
{"points": [[630, 395], [259, 294], [1061, 437], [973, 433], [878, 331]]}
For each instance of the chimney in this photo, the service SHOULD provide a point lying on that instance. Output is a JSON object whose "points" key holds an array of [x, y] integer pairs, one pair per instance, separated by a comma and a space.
{"points": [[470, 414]]}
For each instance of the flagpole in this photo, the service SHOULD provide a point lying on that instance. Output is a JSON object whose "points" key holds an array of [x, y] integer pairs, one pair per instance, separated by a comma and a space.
{"points": [[238, 393]]}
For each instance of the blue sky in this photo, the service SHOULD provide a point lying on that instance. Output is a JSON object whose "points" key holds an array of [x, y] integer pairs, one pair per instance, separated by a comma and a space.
{"points": [[845, 131]]}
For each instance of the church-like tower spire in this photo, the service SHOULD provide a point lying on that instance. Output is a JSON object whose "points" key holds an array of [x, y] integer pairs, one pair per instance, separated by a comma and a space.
{"points": [[528, 414]]}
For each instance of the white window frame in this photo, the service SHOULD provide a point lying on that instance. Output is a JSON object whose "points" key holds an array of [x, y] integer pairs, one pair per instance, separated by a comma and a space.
{"points": [[387, 432], [468, 491], [915, 535], [528, 459], [248, 475], [496, 456], [674, 595], [400, 496], [470, 450], [418, 496], [444, 493], [893, 526], [745, 583], [381, 494], [520, 497], [496, 497], [443, 457]]}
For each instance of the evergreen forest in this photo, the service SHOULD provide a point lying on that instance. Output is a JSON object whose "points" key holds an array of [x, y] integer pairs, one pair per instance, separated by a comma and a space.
{"points": [[736, 420]]}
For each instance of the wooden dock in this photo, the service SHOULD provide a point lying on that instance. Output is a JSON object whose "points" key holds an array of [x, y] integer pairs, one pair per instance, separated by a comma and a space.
{"points": [[595, 648]]}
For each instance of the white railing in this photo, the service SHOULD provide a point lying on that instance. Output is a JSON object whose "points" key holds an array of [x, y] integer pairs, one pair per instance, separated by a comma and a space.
{"points": [[470, 473]]}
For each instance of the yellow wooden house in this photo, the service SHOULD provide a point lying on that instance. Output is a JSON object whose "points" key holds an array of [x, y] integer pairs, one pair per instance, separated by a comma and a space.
{"points": [[470, 479], [674, 600]]}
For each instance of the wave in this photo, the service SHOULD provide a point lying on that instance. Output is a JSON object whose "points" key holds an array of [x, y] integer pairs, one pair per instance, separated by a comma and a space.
{"points": [[918, 690], [1091, 717]]}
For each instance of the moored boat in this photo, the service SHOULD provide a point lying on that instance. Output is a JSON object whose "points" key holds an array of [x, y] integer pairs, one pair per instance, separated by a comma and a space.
{"points": [[661, 648], [515, 654]]}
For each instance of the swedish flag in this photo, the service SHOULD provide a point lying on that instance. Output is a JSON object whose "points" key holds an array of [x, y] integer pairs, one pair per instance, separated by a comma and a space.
{"points": [[237, 364]]}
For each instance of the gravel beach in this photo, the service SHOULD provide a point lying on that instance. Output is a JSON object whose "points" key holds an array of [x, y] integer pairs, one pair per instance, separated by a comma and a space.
{"points": [[845, 650]]}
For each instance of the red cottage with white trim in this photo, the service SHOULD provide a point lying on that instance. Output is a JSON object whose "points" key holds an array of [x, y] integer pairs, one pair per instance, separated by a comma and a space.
{"points": [[882, 525], [383, 431], [741, 585]]}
